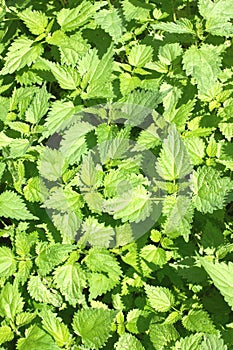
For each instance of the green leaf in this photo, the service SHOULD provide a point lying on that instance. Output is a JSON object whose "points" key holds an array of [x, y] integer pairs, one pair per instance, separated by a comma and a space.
{"points": [[159, 67], [18, 147], [71, 47], [170, 100], [114, 144], [51, 256], [24, 269], [93, 326], [41, 293], [71, 19], [35, 190], [6, 334], [136, 10], [101, 260], [110, 21], [17, 170], [73, 144], [173, 317], [198, 321], [153, 254], [222, 276], [169, 52], [60, 116], [203, 64], [137, 105], [227, 130], [132, 257], [173, 162], [12, 206], [36, 338], [5, 140], [11, 301], [68, 224], [94, 201], [191, 342], [218, 15], [219, 28], [54, 326], [21, 53], [24, 318], [148, 138], [209, 189], [22, 127], [105, 135], [181, 26], [70, 279], [51, 164], [4, 107], [124, 235], [137, 321], [150, 84], [7, 262], [179, 212], [226, 155], [140, 55], [148, 267], [128, 83], [24, 242], [132, 206], [67, 77], [196, 149], [100, 284], [162, 334], [160, 298], [127, 342], [91, 174], [96, 74], [21, 99], [212, 342], [95, 233], [38, 107], [131, 165], [64, 200], [36, 21], [222, 9], [180, 115], [28, 78], [119, 181]]}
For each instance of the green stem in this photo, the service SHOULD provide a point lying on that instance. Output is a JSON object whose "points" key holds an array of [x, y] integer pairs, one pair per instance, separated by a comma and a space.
{"points": [[109, 4], [175, 309]]}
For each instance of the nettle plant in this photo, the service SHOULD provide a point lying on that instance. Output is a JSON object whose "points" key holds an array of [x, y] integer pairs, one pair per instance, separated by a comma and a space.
{"points": [[116, 175]]}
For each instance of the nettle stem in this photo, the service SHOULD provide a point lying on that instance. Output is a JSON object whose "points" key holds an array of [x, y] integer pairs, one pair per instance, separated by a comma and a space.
{"points": [[109, 4]]}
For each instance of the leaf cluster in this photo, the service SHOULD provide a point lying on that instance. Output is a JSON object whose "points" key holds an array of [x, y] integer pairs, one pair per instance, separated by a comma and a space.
{"points": [[116, 175]]}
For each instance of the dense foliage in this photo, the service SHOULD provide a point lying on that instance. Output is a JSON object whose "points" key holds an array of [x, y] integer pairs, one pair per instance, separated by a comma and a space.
{"points": [[116, 175]]}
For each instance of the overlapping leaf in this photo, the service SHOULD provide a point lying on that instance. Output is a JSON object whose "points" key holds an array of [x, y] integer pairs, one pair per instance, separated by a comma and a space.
{"points": [[221, 274], [20, 54]]}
